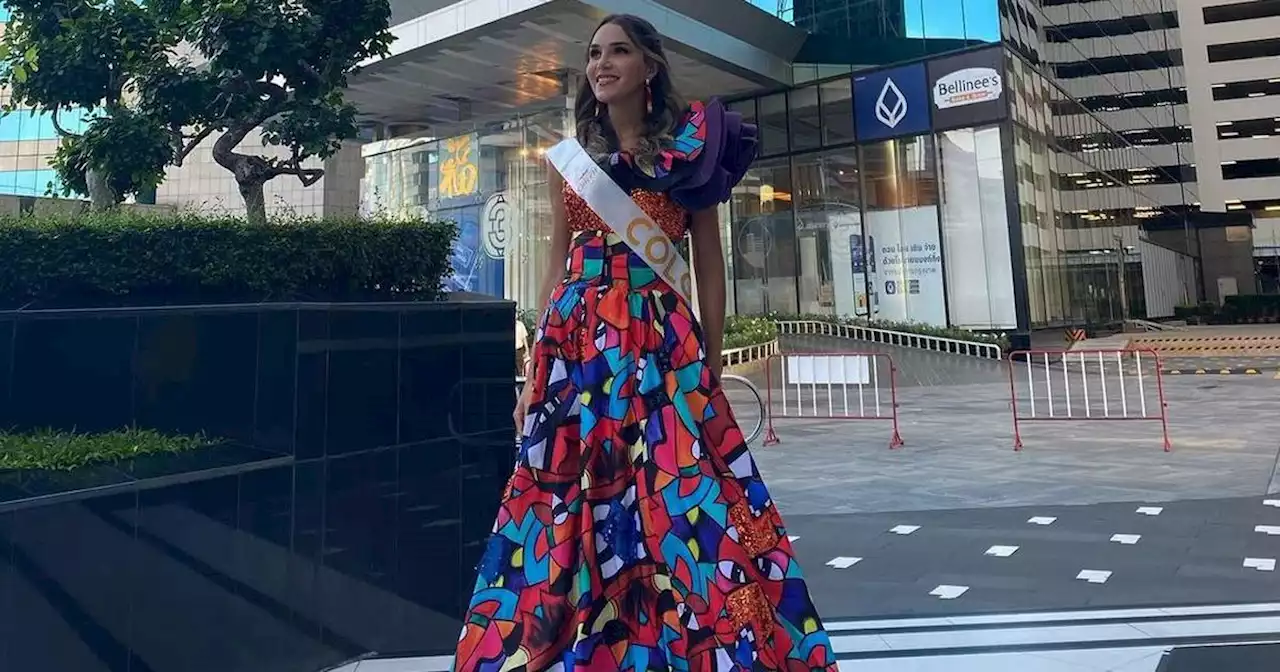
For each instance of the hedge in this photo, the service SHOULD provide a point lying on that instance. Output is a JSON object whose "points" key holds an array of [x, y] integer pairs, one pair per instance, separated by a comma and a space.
{"points": [[1238, 309], [64, 451], [741, 331], [130, 258]]}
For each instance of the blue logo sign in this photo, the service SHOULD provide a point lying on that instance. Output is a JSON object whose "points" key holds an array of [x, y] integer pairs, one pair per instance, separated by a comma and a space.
{"points": [[892, 103]]}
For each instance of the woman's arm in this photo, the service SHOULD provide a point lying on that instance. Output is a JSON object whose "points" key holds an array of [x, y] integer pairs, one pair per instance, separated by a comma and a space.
{"points": [[708, 270], [559, 247]]}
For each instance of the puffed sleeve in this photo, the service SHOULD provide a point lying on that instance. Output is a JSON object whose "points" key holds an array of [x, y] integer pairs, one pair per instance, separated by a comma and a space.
{"points": [[716, 147]]}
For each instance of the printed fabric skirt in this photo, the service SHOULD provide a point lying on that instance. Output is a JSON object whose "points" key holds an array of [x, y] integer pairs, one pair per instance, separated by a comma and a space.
{"points": [[635, 533]]}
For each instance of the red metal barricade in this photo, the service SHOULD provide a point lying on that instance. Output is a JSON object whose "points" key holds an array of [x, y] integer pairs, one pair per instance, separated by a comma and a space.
{"points": [[1086, 385], [856, 386]]}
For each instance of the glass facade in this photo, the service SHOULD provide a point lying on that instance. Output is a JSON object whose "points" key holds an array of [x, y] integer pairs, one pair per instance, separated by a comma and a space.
{"points": [[492, 182], [1081, 203], [905, 229], [28, 140], [903, 194], [889, 31]]}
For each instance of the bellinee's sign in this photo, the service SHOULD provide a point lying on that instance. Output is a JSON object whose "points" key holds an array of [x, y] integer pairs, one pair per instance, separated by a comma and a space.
{"points": [[966, 87]]}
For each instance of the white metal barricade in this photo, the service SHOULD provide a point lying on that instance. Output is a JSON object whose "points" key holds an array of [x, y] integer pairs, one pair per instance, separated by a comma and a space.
{"points": [[1086, 385], [832, 386]]}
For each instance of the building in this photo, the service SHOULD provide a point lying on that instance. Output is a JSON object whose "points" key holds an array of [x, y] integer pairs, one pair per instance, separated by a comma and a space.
{"points": [[1233, 83], [1132, 182], [968, 210], [203, 184]]}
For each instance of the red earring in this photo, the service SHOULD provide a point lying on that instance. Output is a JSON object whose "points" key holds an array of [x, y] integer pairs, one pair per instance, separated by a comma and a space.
{"points": [[648, 98]]}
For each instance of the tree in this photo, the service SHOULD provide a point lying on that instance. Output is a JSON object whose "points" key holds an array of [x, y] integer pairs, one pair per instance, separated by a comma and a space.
{"points": [[58, 55], [279, 66], [166, 75]]}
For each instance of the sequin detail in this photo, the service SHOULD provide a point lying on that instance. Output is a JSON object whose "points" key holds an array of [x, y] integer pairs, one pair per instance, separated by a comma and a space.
{"points": [[748, 606], [671, 217], [756, 534]]}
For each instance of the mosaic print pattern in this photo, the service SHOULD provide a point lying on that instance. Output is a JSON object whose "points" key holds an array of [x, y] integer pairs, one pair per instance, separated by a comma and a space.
{"points": [[685, 146], [635, 533]]}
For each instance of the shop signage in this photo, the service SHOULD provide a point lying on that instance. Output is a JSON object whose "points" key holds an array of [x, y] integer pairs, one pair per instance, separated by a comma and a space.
{"points": [[495, 224], [459, 170], [891, 103], [968, 89]]}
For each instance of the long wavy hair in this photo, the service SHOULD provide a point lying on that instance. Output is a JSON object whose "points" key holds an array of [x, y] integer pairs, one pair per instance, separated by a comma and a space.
{"points": [[593, 128]]}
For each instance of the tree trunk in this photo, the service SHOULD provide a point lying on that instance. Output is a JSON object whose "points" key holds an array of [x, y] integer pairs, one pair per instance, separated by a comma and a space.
{"points": [[255, 203], [100, 195]]}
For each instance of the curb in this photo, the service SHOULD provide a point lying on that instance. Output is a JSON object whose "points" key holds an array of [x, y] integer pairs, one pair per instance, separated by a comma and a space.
{"points": [[1211, 371]]}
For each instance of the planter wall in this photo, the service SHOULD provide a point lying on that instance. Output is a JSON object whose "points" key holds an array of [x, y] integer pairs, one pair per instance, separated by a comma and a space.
{"points": [[369, 446]]}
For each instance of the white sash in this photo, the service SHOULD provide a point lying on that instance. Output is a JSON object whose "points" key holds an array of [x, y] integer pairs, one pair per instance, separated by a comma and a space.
{"points": [[623, 216]]}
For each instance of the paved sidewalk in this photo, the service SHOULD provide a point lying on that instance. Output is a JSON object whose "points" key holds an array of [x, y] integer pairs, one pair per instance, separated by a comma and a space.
{"points": [[1035, 558], [959, 448]]}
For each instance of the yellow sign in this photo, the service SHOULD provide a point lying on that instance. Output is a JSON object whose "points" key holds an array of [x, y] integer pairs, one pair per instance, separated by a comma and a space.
{"points": [[459, 175]]}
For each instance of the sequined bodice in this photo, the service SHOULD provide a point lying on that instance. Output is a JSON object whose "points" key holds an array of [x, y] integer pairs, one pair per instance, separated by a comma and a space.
{"points": [[671, 217]]}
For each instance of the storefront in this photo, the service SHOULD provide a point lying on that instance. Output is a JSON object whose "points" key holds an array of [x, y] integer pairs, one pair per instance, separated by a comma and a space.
{"points": [[927, 192], [492, 182], [882, 195]]}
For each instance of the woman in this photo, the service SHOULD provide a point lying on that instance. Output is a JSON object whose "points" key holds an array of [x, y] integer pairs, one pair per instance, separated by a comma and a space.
{"points": [[635, 533]]}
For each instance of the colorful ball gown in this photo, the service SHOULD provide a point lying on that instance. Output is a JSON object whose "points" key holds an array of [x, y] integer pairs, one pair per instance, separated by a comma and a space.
{"points": [[635, 532]]}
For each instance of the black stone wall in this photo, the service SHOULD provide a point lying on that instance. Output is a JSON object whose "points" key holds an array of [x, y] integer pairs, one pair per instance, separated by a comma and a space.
{"points": [[367, 447]]}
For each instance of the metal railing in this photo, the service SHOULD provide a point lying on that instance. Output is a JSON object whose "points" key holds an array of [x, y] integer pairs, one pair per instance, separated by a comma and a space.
{"points": [[750, 353], [902, 339]]}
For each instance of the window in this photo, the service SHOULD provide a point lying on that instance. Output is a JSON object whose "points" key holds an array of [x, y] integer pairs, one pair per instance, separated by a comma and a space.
{"points": [[1127, 25], [977, 20], [837, 111], [764, 240], [29, 182], [1253, 88], [1109, 65], [833, 278], [1242, 11], [1249, 128], [38, 124], [805, 119], [975, 230], [1240, 51], [1238, 170], [773, 124], [904, 257]]}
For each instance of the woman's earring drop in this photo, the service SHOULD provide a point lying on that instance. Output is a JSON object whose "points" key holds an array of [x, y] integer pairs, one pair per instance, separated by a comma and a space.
{"points": [[648, 98]]}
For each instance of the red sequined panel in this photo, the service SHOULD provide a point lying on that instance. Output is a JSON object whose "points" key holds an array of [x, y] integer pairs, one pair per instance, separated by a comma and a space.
{"points": [[671, 217]]}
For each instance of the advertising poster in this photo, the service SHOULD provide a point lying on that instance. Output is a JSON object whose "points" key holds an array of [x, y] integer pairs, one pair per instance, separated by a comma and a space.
{"points": [[908, 265], [473, 269], [840, 226]]}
